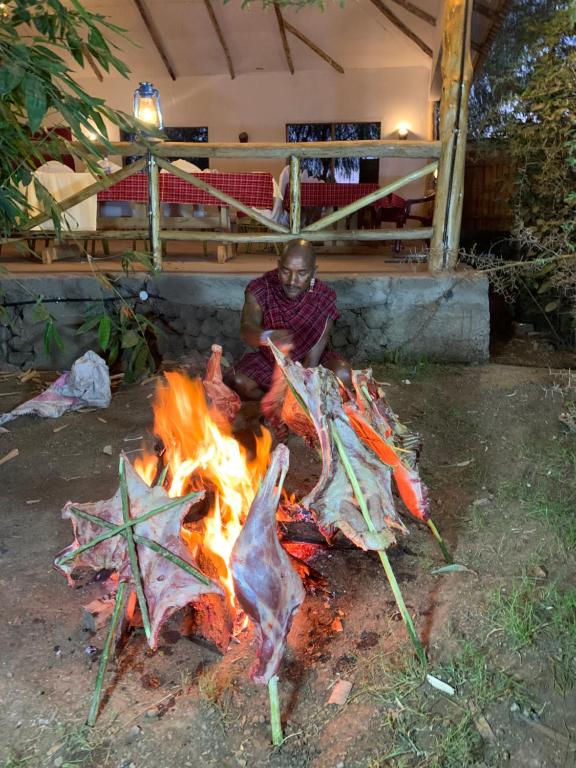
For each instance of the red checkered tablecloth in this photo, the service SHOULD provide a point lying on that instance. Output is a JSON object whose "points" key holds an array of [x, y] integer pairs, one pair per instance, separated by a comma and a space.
{"points": [[315, 195], [253, 189]]}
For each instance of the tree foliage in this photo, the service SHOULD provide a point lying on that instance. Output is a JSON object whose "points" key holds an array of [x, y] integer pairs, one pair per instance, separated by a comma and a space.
{"points": [[37, 85]]}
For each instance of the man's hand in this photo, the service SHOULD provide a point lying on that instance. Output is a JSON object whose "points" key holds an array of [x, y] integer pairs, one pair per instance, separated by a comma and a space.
{"points": [[281, 338]]}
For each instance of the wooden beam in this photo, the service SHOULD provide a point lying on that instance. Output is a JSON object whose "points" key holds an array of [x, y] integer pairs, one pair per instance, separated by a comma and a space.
{"points": [[456, 79], [219, 195], [101, 183], [402, 27], [351, 208], [484, 10], [153, 32], [385, 148], [92, 64], [218, 31], [295, 217], [280, 20], [313, 47], [497, 20], [414, 9], [420, 233]]}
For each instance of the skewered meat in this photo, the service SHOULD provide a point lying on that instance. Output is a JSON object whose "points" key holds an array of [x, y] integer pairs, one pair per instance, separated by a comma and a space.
{"points": [[167, 587], [224, 401], [265, 583], [332, 499], [377, 425]]}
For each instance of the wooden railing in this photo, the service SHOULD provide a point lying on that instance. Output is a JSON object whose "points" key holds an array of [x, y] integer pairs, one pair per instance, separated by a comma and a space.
{"points": [[154, 155]]}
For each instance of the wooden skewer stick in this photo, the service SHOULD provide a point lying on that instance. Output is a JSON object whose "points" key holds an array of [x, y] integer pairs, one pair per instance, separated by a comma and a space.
{"points": [[277, 736], [111, 637]]}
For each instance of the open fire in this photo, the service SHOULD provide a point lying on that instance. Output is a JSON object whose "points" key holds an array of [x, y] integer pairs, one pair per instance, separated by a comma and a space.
{"points": [[200, 452]]}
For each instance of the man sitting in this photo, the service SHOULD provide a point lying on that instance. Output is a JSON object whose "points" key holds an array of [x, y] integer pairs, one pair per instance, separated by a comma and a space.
{"points": [[293, 309]]}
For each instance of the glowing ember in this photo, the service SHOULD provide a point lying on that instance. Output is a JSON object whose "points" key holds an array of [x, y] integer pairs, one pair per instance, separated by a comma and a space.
{"points": [[202, 453]]}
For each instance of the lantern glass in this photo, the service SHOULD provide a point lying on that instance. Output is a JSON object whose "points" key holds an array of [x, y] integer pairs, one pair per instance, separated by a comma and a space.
{"points": [[147, 105]]}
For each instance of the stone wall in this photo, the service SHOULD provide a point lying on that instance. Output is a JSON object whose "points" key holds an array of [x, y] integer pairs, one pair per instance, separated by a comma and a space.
{"points": [[411, 314]]}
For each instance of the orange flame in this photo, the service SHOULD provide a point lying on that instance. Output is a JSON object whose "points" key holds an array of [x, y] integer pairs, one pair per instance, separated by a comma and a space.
{"points": [[202, 453]]}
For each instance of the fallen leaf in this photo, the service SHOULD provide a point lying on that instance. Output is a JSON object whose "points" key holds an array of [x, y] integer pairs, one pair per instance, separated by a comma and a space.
{"points": [[453, 568], [131, 439], [33, 501], [59, 429], [482, 725], [460, 463], [337, 625], [107, 450], [440, 685], [101, 419], [4, 430], [9, 456], [340, 692]]}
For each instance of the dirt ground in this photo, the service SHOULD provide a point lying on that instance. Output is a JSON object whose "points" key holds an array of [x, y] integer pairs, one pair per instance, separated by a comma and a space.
{"points": [[499, 465]]}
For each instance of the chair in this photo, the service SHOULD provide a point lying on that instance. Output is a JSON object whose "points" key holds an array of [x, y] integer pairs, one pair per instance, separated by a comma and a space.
{"points": [[425, 220]]}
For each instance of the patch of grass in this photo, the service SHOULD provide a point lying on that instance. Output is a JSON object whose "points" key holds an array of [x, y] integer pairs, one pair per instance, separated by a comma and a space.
{"points": [[516, 611], [78, 746]]}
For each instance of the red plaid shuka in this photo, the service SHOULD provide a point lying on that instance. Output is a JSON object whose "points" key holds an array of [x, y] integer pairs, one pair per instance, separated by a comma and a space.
{"points": [[305, 316]]}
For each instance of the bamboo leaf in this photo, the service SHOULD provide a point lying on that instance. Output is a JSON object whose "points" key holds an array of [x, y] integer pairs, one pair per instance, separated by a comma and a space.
{"points": [[35, 101], [104, 331], [130, 339]]}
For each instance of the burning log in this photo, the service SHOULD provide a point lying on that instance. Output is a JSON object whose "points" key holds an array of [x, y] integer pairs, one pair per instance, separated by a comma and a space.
{"points": [[265, 583]]}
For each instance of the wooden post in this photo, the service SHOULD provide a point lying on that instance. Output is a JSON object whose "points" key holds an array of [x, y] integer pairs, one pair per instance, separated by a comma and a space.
{"points": [[294, 194], [456, 79], [154, 212]]}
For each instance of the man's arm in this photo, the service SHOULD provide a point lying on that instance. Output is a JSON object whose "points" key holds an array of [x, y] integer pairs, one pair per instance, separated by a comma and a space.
{"points": [[252, 330], [312, 359]]}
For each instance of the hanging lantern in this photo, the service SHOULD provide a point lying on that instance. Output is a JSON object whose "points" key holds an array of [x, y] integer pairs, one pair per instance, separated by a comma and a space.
{"points": [[147, 105]]}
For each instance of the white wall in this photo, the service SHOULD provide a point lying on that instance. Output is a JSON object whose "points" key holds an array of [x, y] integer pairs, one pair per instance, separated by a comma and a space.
{"points": [[262, 104]]}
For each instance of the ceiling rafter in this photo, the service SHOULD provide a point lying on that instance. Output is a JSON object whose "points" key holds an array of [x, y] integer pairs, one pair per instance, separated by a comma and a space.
{"points": [[220, 34], [402, 27], [414, 9], [313, 47], [484, 9], [153, 32], [282, 30]]}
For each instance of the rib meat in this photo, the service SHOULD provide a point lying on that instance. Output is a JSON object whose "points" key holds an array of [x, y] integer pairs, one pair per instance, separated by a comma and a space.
{"points": [[167, 587], [392, 441], [332, 500], [265, 583], [223, 400]]}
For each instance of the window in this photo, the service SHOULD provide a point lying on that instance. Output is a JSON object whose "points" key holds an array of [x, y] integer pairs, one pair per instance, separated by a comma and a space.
{"points": [[177, 134], [343, 169]]}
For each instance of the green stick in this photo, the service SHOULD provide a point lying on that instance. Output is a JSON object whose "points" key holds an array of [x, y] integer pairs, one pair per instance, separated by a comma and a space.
{"points": [[147, 543], [163, 475], [430, 523], [119, 606], [151, 544], [277, 736], [132, 553], [441, 543], [383, 556], [123, 526]]}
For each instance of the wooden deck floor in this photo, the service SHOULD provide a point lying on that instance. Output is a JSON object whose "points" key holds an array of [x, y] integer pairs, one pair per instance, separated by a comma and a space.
{"points": [[189, 258]]}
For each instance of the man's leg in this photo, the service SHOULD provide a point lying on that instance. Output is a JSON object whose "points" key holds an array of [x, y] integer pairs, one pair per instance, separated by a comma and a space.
{"points": [[246, 387], [340, 368]]}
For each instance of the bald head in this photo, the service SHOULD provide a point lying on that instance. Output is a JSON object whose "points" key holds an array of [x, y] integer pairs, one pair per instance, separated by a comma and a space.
{"points": [[296, 267]]}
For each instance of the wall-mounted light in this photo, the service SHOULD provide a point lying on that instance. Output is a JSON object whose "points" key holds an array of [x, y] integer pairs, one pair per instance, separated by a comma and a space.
{"points": [[147, 107], [403, 129]]}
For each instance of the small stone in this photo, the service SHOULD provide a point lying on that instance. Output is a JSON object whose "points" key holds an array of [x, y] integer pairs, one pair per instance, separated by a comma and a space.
{"points": [[107, 450], [241, 761], [58, 761], [134, 733], [340, 764]]}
